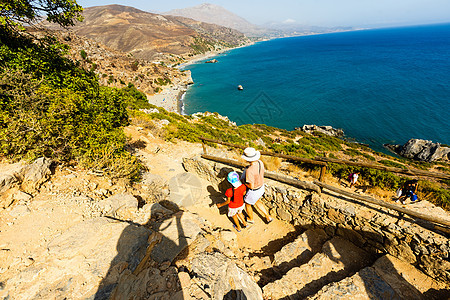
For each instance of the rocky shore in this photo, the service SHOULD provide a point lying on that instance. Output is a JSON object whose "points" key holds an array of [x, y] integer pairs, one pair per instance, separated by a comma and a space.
{"points": [[422, 150]]}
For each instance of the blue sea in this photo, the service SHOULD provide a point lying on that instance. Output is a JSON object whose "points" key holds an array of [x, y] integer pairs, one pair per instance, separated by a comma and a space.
{"points": [[380, 86]]}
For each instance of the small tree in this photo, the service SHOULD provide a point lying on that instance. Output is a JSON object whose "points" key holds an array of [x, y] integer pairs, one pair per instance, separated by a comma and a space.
{"points": [[16, 13]]}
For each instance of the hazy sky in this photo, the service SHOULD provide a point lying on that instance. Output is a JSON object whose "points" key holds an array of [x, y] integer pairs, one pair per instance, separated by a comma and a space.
{"points": [[374, 13]]}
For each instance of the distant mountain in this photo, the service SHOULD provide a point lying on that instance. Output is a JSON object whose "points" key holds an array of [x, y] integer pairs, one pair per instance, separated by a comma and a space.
{"points": [[152, 36], [292, 28], [215, 14]]}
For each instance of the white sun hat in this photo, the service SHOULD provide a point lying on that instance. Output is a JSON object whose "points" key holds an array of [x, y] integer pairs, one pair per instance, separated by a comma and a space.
{"points": [[251, 154]]}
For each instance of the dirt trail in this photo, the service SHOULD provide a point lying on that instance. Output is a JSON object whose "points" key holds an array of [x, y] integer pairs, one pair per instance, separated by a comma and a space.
{"points": [[165, 160]]}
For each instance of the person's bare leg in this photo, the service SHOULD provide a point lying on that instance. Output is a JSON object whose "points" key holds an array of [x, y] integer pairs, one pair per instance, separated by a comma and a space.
{"points": [[242, 219], [236, 222], [263, 210], [249, 211]]}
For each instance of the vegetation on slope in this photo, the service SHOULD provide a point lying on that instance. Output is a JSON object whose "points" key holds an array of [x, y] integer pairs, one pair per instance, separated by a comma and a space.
{"points": [[51, 107], [298, 143]]}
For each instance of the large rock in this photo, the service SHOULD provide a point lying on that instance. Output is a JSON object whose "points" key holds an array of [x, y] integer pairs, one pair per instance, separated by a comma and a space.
{"points": [[224, 278], [10, 175], [422, 150], [177, 233], [31, 176], [299, 251], [366, 284], [407, 281], [121, 206], [36, 174], [328, 130], [84, 261]]}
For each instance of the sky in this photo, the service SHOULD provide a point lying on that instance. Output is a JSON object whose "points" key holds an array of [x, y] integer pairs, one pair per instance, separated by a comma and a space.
{"points": [[330, 13]]}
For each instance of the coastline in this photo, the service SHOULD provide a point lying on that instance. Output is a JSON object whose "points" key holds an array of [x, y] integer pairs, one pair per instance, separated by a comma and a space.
{"points": [[171, 97]]}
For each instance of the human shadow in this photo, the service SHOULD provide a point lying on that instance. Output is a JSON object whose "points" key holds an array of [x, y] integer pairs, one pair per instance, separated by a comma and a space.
{"points": [[141, 248], [235, 295]]}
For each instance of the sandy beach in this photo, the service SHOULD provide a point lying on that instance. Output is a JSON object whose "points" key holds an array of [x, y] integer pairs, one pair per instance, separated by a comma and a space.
{"points": [[170, 97]]}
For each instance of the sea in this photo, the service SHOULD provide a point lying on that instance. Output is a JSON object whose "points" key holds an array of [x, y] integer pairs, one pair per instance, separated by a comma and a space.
{"points": [[380, 86]]}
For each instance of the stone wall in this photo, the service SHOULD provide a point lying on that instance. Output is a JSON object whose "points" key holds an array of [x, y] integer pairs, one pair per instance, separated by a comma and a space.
{"points": [[376, 229]]}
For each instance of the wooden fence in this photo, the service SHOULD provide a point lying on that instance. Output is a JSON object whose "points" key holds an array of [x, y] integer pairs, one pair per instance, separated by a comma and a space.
{"points": [[323, 162], [317, 185]]}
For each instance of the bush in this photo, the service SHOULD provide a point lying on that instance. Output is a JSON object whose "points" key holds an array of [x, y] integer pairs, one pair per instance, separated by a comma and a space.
{"points": [[50, 107]]}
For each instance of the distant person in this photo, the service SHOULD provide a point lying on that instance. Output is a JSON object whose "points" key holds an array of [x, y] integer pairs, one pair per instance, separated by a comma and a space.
{"points": [[235, 200], [253, 178], [409, 190], [353, 178]]}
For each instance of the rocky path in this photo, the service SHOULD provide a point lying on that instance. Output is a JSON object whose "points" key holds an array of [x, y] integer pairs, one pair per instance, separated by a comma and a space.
{"points": [[78, 236]]}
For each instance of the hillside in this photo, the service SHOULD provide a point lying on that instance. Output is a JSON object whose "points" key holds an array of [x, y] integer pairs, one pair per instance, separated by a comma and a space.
{"points": [[151, 36]]}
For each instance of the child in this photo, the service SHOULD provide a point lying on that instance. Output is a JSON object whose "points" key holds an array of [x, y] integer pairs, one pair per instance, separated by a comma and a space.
{"points": [[235, 200]]}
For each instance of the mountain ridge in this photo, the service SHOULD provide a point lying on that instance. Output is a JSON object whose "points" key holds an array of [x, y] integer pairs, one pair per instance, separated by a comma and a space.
{"points": [[215, 14], [151, 36]]}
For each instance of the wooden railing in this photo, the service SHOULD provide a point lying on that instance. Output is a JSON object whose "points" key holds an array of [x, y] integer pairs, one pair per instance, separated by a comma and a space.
{"points": [[317, 186], [323, 161]]}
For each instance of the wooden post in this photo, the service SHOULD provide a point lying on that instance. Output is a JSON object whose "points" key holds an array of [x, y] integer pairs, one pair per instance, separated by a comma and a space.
{"points": [[323, 171], [204, 147]]}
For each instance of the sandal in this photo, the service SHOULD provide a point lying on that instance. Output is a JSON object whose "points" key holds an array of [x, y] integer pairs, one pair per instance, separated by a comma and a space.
{"points": [[236, 228]]}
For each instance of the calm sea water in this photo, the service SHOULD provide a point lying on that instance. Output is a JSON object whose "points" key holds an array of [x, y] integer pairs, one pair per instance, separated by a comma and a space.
{"points": [[380, 86]]}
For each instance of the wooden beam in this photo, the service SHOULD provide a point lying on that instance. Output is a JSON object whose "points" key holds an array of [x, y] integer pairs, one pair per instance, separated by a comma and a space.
{"points": [[289, 157], [398, 208], [411, 172], [318, 160], [271, 175]]}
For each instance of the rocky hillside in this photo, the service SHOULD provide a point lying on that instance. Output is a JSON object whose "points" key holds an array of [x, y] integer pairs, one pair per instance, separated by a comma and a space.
{"points": [[149, 36], [117, 69]]}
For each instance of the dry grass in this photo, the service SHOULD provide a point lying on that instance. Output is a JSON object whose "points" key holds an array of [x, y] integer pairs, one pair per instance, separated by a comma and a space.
{"points": [[271, 163], [380, 193]]}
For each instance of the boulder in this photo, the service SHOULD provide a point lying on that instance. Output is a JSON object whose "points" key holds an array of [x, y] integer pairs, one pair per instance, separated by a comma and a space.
{"points": [[224, 278], [36, 174], [177, 233], [121, 206], [328, 130], [10, 175], [422, 150]]}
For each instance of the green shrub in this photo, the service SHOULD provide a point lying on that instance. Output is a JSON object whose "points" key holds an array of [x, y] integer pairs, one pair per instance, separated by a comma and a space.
{"points": [[83, 54], [50, 107]]}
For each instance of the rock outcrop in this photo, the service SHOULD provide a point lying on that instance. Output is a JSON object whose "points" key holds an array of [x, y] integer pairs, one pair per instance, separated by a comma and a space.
{"points": [[422, 150], [328, 130]]}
